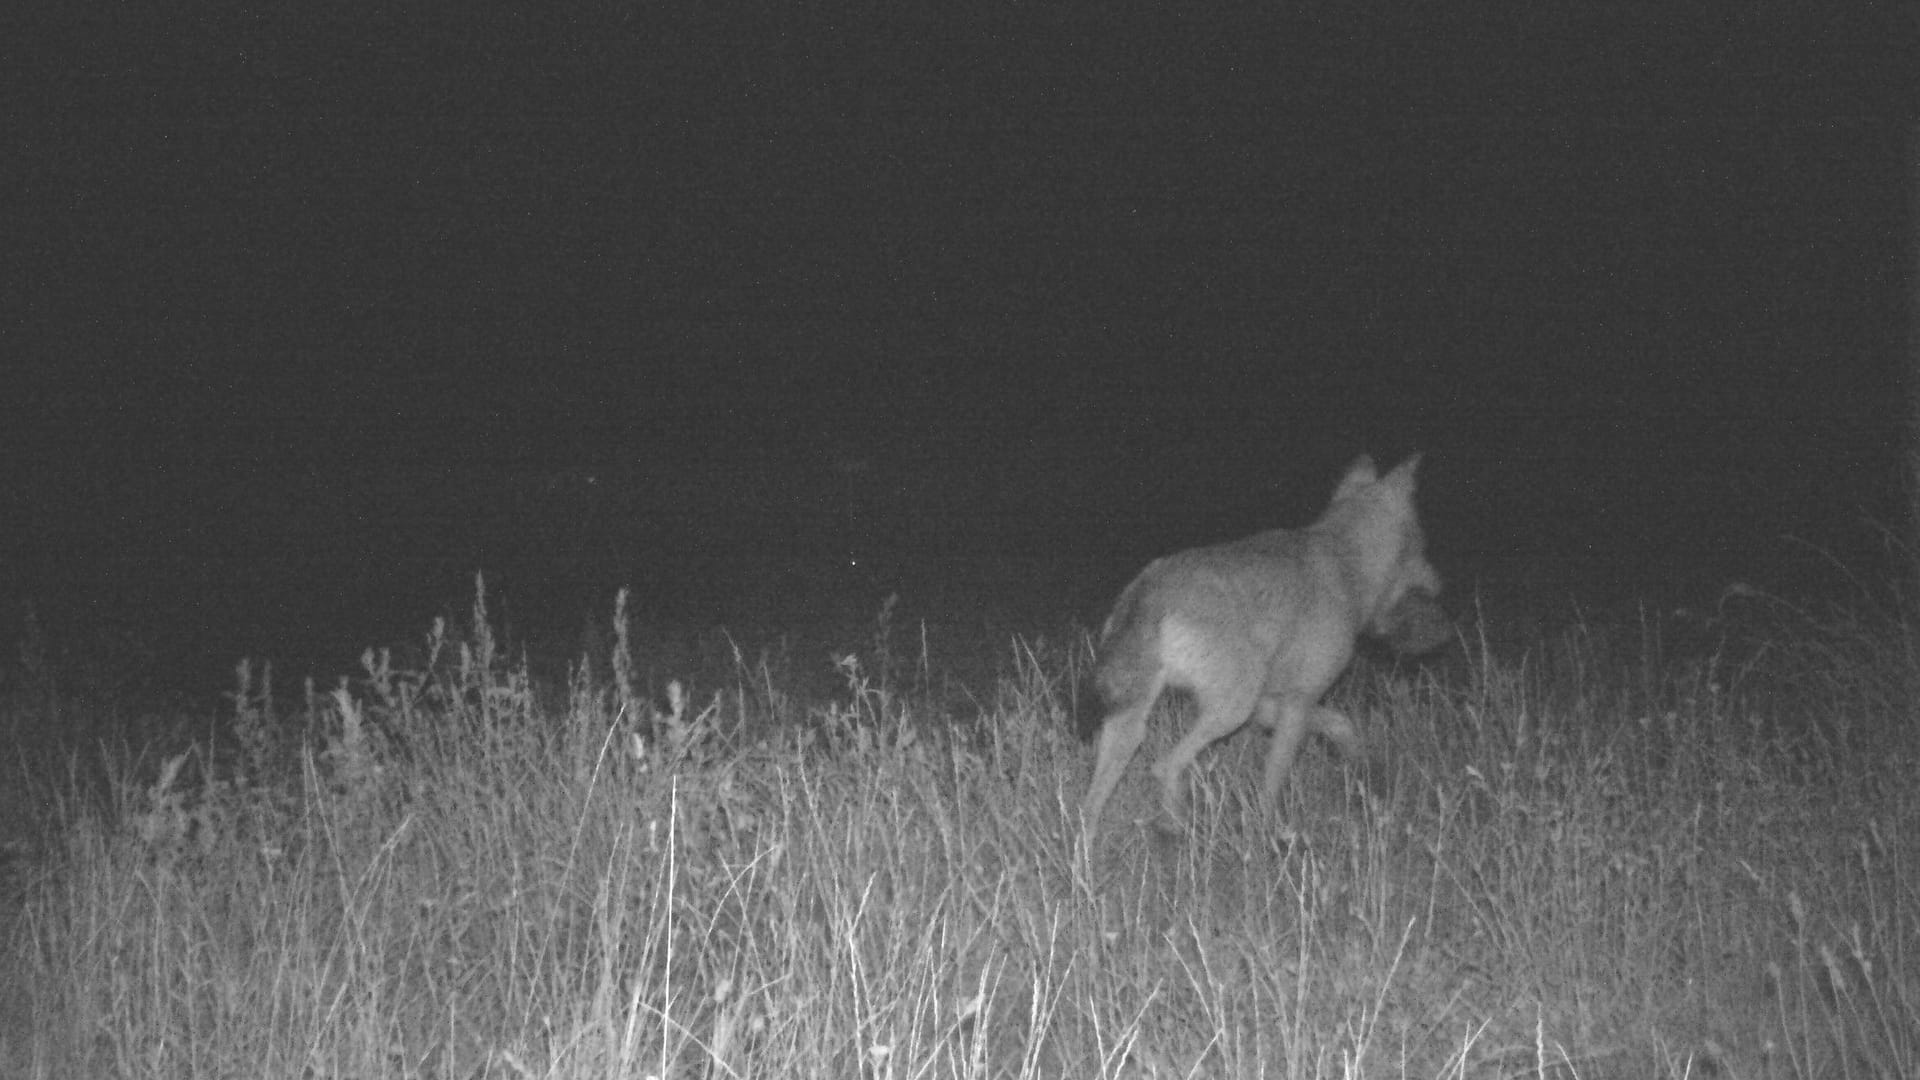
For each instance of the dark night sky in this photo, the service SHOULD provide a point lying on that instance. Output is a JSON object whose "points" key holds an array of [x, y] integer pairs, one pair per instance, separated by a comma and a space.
{"points": [[310, 314]]}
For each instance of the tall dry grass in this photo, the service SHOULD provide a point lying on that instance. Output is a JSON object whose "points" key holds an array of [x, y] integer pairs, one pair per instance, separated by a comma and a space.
{"points": [[1633, 851]]}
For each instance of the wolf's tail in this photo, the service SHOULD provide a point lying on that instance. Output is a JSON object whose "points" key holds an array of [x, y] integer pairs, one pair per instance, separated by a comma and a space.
{"points": [[1125, 666]]}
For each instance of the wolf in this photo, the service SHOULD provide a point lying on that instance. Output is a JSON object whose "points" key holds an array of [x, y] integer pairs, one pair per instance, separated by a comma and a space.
{"points": [[1259, 628]]}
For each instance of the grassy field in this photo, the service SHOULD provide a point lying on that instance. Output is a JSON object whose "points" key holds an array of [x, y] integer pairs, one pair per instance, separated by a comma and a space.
{"points": [[1667, 848]]}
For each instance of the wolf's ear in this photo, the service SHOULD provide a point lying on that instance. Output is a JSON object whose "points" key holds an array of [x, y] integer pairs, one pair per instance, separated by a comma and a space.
{"points": [[1359, 474], [1403, 472]]}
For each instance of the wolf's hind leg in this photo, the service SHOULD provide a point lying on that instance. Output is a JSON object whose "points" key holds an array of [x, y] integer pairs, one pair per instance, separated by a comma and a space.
{"points": [[1223, 710]]}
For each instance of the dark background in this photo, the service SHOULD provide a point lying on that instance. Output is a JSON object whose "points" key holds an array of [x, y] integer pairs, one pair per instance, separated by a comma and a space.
{"points": [[310, 314]]}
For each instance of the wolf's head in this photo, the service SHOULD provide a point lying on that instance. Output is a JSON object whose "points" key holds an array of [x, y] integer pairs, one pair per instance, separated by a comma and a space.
{"points": [[1383, 525]]}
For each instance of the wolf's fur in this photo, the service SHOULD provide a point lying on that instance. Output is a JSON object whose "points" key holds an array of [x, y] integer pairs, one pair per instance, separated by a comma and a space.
{"points": [[1260, 628]]}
